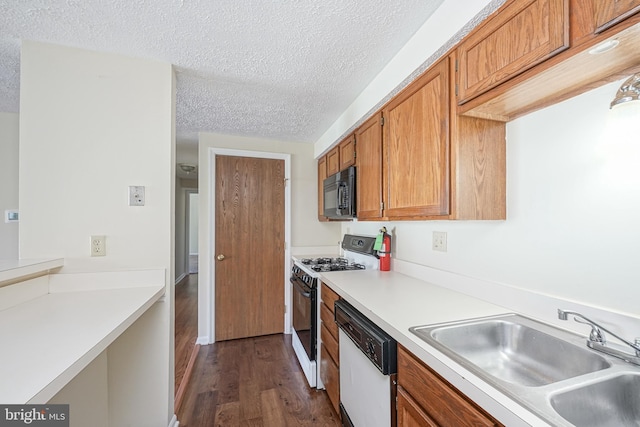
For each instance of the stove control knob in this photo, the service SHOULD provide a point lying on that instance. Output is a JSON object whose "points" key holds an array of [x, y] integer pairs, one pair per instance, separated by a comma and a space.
{"points": [[220, 257]]}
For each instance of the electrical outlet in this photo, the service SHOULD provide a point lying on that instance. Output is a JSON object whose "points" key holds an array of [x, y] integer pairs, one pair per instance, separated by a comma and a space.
{"points": [[98, 246], [439, 241]]}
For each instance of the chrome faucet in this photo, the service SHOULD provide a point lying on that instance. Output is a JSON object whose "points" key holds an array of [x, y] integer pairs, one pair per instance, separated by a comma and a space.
{"points": [[597, 340]]}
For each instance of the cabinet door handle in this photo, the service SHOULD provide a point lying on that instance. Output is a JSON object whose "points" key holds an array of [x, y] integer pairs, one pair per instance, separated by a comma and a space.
{"points": [[220, 257]]}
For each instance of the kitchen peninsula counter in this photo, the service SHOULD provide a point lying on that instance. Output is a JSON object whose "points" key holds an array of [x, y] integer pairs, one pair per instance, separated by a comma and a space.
{"points": [[53, 326]]}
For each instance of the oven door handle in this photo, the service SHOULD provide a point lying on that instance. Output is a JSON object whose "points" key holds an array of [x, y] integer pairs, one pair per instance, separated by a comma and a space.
{"points": [[300, 289]]}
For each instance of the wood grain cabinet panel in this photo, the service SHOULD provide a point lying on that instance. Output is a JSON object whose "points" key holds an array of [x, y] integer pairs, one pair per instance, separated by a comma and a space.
{"points": [[347, 152], [369, 169], [322, 174], [329, 349], [610, 12], [522, 34], [331, 344], [440, 401], [330, 376], [328, 322], [333, 161], [328, 297], [416, 147], [410, 414]]}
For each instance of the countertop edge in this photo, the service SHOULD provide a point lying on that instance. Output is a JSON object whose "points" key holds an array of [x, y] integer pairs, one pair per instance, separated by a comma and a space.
{"points": [[14, 270]]}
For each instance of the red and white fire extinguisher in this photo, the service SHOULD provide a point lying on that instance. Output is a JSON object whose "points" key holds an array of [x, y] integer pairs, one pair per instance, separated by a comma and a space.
{"points": [[385, 251]]}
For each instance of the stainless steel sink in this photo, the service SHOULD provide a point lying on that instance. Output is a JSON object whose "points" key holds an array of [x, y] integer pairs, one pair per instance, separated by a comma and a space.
{"points": [[547, 370], [611, 402], [514, 349]]}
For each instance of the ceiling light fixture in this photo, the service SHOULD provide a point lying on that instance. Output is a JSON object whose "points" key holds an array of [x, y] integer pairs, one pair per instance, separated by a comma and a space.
{"points": [[628, 92], [187, 168]]}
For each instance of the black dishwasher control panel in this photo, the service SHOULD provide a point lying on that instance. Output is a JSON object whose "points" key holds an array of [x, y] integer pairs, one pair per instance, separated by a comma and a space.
{"points": [[375, 343]]}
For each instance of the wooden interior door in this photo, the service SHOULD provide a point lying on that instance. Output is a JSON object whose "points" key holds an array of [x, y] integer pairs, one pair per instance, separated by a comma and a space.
{"points": [[249, 242]]}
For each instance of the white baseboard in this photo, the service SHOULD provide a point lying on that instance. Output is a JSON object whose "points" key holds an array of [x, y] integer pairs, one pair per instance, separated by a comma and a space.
{"points": [[174, 421], [203, 341]]}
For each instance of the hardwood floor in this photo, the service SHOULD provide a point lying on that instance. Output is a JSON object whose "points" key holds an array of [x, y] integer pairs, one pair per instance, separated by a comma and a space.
{"points": [[186, 331], [252, 382]]}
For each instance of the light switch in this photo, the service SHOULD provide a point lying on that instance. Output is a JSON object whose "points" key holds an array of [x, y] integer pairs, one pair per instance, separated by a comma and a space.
{"points": [[11, 215], [136, 195]]}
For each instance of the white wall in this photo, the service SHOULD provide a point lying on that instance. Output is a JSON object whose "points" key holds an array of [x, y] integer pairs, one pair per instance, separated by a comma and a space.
{"points": [[88, 392], [573, 199], [9, 125], [92, 124]]}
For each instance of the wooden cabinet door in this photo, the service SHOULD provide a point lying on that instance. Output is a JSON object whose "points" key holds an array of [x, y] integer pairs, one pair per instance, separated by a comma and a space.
{"points": [[416, 147], [330, 376], [333, 161], [410, 414], [348, 152], [438, 399], [322, 174], [523, 34], [369, 169], [607, 13]]}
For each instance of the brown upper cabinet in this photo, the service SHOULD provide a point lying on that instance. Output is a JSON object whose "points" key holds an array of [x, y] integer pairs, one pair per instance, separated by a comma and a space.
{"points": [[416, 147], [369, 169], [521, 35], [342, 156], [426, 162], [347, 152], [333, 161], [610, 12], [564, 74], [322, 174]]}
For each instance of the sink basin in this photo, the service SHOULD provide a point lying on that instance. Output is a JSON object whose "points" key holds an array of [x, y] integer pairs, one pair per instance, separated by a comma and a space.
{"points": [[513, 349], [613, 401]]}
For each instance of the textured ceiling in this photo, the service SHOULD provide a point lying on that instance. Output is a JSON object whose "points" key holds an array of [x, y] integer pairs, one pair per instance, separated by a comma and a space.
{"points": [[278, 69]]}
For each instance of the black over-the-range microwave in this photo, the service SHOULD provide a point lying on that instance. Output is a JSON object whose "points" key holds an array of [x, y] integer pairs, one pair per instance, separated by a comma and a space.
{"points": [[340, 195]]}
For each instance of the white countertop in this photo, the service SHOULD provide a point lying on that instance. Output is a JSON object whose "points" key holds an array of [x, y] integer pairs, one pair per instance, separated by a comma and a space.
{"points": [[14, 269], [396, 302], [48, 340]]}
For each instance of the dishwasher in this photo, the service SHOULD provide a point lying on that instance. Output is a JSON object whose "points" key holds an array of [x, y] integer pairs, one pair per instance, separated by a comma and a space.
{"points": [[368, 367]]}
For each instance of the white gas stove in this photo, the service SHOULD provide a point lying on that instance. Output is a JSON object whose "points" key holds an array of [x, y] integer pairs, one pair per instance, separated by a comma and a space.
{"points": [[358, 255]]}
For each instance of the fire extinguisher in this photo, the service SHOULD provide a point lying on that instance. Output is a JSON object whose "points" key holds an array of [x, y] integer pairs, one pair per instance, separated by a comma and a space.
{"points": [[385, 251]]}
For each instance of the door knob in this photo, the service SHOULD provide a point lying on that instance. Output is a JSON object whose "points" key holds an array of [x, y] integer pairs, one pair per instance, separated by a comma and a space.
{"points": [[220, 257]]}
